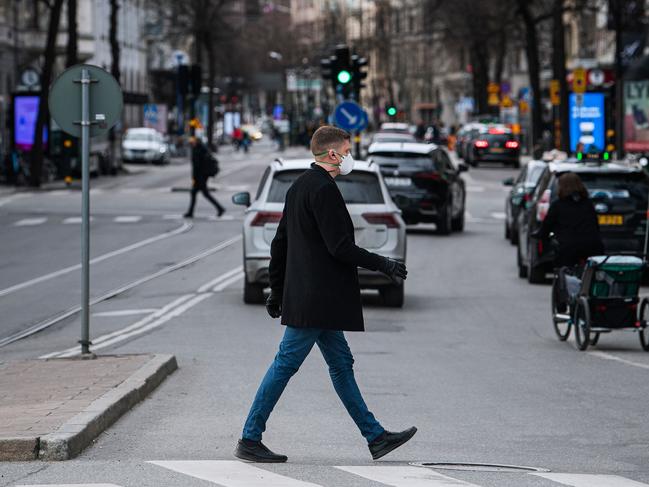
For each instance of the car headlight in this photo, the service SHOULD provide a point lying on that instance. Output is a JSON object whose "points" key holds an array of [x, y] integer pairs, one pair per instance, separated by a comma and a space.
{"points": [[163, 149]]}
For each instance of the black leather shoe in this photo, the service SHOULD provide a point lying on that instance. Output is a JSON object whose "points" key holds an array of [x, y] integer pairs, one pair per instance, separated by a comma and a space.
{"points": [[389, 441], [257, 452]]}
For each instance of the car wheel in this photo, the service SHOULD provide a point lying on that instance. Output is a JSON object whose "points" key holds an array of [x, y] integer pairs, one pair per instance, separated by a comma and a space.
{"points": [[522, 269], [444, 220], [513, 234], [252, 293], [508, 232], [393, 296]]}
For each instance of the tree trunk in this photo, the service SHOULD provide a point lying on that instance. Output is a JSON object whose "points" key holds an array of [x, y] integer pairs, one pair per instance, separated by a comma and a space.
{"points": [[72, 49], [501, 53], [211, 77], [480, 66], [559, 71], [533, 66], [36, 165]]}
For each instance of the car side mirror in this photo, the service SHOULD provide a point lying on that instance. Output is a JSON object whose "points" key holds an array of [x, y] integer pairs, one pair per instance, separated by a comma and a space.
{"points": [[508, 182], [241, 198], [462, 167]]}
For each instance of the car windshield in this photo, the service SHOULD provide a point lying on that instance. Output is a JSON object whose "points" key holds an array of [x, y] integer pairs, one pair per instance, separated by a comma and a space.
{"points": [[141, 136], [500, 138], [615, 186], [393, 138], [358, 187]]}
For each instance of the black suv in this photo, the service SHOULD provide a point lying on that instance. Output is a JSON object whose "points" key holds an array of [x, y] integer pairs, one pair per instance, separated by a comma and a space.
{"points": [[618, 191], [423, 182]]}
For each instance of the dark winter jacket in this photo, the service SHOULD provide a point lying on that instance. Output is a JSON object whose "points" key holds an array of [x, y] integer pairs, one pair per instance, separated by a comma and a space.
{"points": [[574, 223], [314, 258], [200, 163]]}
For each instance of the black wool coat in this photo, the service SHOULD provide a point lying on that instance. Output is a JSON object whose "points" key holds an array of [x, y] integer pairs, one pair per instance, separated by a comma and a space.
{"points": [[200, 163], [314, 257]]}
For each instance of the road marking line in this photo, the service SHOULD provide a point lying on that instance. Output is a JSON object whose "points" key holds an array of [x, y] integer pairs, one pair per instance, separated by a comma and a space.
{"points": [[126, 312], [587, 480], [143, 322], [75, 220], [475, 189], [127, 219], [229, 473], [206, 287], [228, 172], [608, 356], [9, 199], [172, 217], [223, 285], [29, 222], [498, 215], [69, 485], [181, 229], [405, 476]]}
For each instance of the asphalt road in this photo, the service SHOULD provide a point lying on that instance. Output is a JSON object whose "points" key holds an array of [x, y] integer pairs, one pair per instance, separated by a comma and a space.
{"points": [[471, 359]]}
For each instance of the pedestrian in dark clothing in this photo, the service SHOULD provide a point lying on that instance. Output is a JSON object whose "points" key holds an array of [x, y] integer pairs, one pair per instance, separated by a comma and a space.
{"points": [[573, 220], [314, 288], [201, 171]]}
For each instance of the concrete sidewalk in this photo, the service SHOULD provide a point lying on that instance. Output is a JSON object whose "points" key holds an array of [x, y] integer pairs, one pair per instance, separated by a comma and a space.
{"points": [[52, 409]]}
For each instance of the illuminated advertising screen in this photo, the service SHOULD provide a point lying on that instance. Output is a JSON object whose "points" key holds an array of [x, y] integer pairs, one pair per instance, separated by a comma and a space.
{"points": [[25, 114], [587, 122]]}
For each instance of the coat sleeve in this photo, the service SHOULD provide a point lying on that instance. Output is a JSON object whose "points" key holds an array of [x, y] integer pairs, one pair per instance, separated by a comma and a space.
{"points": [[331, 216], [277, 266]]}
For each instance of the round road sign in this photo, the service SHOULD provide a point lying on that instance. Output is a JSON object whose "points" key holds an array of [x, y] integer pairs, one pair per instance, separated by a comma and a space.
{"points": [[105, 100]]}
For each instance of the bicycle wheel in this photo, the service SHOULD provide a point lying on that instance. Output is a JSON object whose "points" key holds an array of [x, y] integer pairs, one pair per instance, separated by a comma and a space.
{"points": [[594, 338], [582, 324], [643, 317], [561, 321]]}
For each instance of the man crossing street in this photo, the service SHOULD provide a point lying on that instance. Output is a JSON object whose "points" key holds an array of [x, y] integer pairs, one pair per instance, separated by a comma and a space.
{"points": [[314, 288]]}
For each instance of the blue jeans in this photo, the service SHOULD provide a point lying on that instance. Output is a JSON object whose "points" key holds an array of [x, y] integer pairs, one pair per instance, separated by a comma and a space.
{"points": [[293, 349]]}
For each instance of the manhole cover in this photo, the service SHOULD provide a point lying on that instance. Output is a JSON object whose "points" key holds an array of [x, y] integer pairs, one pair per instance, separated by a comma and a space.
{"points": [[478, 467]]}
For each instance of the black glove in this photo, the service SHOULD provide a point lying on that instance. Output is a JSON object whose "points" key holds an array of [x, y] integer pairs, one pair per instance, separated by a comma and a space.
{"points": [[274, 305], [393, 269]]}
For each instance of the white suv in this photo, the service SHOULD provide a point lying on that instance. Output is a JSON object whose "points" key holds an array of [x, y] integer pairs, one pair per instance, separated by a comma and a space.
{"points": [[378, 226]]}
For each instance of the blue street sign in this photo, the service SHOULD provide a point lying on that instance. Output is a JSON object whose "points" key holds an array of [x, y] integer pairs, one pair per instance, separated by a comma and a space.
{"points": [[350, 116]]}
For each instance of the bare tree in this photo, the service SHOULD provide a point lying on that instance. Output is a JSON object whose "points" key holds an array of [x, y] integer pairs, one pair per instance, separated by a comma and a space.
{"points": [[114, 70], [49, 55], [72, 48]]}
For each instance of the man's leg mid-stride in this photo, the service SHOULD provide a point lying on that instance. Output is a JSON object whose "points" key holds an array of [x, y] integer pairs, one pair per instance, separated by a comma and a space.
{"points": [[293, 349], [340, 360]]}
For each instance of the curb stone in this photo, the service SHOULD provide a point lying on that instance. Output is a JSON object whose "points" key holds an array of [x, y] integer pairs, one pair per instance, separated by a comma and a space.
{"points": [[78, 432]]}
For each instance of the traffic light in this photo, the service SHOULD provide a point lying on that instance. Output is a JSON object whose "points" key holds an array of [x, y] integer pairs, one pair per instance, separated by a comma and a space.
{"points": [[391, 110], [358, 75], [342, 71], [610, 140]]}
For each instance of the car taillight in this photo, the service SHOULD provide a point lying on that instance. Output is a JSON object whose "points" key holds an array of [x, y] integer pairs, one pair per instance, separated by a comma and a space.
{"points": [[543, 206], [428, 175], [386, 219], [481, 144], [263, 217], [511, 144]]}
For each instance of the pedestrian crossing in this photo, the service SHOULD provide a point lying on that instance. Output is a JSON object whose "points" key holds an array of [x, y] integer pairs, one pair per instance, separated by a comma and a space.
{"points": [[232, 473]]}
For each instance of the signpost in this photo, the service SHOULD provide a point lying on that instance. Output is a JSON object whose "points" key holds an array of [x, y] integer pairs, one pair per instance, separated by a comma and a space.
{"points": [[85, 101], [350, 116]]}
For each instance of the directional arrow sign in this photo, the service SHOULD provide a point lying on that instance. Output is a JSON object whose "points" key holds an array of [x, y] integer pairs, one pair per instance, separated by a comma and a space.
{"points": [[349, 116]]}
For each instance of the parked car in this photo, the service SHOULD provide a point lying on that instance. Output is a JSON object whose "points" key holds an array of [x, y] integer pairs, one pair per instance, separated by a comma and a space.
{"points": [[493, 144], [392, 137], [619, 192], [521, 193], [423, 182], [144, 145], [464, 135], [378, 225], [395, 127]]}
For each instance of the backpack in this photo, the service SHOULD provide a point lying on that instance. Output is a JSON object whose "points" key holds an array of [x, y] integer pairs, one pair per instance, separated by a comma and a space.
{"points": [[212, 165]]}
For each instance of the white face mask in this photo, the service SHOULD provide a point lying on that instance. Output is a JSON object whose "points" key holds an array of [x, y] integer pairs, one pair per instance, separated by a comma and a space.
{"points": [[346, 164]]}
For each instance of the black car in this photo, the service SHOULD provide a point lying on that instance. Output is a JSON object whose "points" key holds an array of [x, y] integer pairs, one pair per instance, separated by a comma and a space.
{"points": [[522, 190], [493, 145], [423, 182], [618, 191]]}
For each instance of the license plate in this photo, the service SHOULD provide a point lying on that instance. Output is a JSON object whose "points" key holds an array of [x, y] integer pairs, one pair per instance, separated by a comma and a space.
{"points": [[610, 219], [398, 181], [497, 150]]}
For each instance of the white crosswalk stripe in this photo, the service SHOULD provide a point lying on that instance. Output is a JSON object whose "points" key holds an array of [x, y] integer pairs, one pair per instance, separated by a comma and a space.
{"points": [[228, 473], [587, 480], [405, 476], [29, 222], [69, 485]]}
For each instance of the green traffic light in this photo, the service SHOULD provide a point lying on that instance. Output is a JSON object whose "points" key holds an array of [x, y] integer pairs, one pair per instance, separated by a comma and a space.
{"points": [[607, 156], [392, 111], [344, 77]]}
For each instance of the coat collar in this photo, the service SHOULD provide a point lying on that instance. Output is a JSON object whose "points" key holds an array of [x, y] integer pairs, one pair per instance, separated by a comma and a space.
{"points": [[320, 169]]}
